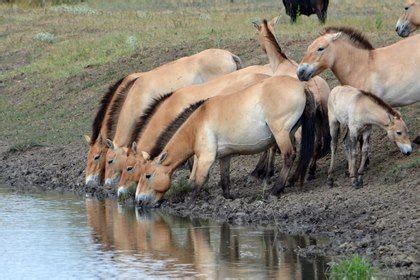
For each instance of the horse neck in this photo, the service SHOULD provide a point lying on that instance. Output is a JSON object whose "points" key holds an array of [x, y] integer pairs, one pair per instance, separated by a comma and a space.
{"points": [[274, 57], [376, 114], [352, 65]]}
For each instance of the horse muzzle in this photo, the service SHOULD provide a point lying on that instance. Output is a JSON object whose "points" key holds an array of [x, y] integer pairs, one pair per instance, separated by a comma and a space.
{"points": [[403, 28], [144, 200], [112, 182], [305, 72], [92, 181], [406, 149]]}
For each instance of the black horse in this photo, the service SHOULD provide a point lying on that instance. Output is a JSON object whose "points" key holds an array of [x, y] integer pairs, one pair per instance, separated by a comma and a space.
{"points": [[306, 7]]}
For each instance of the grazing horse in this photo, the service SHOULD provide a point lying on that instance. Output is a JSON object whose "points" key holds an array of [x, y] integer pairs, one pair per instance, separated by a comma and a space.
{"points": [[358, 111], [391, 73], [307, 8], [184, 101], [95, 165], [282, 65], [244, 122], [156, 83], [409, 21]]}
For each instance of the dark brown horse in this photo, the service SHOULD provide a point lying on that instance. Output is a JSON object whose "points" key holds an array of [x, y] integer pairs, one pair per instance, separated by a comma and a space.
{"points": [[307, 8]]}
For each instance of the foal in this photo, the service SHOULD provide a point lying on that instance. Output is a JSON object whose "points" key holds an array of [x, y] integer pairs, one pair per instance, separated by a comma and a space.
{"points": [[358, 111], [409, 21]]}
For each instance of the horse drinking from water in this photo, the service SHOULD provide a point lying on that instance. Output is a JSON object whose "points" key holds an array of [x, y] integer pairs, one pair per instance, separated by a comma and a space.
{"points": [[409, 21], [156, 83], [358, 111]]}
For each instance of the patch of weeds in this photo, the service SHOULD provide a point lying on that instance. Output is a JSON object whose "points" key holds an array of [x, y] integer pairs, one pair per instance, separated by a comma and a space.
{"points": [[178, 189], [354, 268], [379, 21], [24, 146], [132, 42], [74, 9], [45, 37], [394, 174]]}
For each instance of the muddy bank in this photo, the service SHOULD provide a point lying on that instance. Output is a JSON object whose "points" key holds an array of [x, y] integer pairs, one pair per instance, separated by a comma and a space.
{"points": [[380, 221]]}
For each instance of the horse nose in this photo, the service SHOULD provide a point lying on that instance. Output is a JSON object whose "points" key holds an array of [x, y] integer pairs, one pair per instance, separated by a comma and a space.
{"points": [[301, 72]]}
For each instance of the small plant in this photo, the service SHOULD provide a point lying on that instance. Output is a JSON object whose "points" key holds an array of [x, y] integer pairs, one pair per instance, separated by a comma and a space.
{"points": [[22, 147], [355, 268], [142, 14], [132, 42], [74, 9], [45, 37], [179, 188], [379, 21]]}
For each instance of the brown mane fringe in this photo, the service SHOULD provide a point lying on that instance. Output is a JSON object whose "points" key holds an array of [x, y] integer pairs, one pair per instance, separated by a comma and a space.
{"points": [[381, 103], [103, 106], [115, 109], [354, 36], [144, 119], [170, 130], [270, 36]]}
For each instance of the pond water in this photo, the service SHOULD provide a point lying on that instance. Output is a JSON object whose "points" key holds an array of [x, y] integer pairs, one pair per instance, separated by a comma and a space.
{"points": [[50, 236]]}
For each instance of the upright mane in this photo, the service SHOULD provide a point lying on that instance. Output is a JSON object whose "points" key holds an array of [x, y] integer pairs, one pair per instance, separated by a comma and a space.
{"points": [[103, 107], [170, 130], [354, 36], [382, 103], [270, 37], [115, 109], [144, 119]]}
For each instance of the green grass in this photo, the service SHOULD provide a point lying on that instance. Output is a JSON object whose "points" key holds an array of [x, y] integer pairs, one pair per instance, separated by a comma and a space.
{"points": [[178, 189], [354, 268]]}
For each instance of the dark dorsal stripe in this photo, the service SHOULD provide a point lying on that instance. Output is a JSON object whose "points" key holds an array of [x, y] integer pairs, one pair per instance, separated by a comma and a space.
{"points": [[103, 107], [115, 109], [170, 130], [354, 36], [381, 103], [146, 116], [270, 36]]}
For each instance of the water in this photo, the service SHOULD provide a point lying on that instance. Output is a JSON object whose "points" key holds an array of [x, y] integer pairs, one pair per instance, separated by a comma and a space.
{"points": [[51, 236]]}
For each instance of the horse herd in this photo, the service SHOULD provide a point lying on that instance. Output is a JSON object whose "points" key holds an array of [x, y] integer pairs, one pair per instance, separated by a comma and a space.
{"points": [[205, 107]]}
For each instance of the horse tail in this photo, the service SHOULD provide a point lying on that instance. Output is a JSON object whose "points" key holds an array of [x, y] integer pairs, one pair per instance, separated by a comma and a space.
{"points": [[322, 130], [237, 61]]}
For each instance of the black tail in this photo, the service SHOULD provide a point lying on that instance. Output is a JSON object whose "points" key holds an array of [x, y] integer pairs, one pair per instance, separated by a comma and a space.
{"points": [[238, 62], [322, 129], [308, 120]]}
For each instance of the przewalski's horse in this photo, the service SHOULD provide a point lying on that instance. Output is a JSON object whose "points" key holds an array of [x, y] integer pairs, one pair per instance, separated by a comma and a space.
{"points": [[358, 111], [391, 73], [282, 65], [156, 83], [409, 21], [181, 103], [95, 165], [307, 8], [244, 122]]}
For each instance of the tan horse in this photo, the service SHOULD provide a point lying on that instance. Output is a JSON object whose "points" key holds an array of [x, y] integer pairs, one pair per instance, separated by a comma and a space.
{"points": [[409, 21], [245, 122], [358, 111], [160, 115], [95, 165], [282, 65], [163, 80], [391, 73]]}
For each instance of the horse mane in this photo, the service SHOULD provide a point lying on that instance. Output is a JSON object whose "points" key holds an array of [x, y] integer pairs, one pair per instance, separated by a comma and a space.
{"points": [[103, 106], [144, 119], [115, 109], [354, 36], [270, 36], [170, 130], [381, 103]]}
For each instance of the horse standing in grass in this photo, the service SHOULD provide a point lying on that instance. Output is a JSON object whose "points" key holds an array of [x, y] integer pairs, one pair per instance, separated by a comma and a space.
{"points": [[156, 83], [294, 8], [95, 165], [358, 111], [409, 21], [245, 122]]}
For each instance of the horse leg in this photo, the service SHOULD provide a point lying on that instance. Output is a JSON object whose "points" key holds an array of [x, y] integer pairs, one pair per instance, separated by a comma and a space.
{"points": [[194, 167], [353, 145], [270, 162], [312, 167], [365, 154], [202, 171], [334, 131], [258, 172], [224, 164]]}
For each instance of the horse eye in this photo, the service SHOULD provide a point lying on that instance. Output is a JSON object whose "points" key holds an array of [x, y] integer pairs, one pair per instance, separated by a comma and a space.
{"points": [[96, 157], [110, 161], [399, 133], [148, 176], [320, 49], [129, 168], [406, 8]]}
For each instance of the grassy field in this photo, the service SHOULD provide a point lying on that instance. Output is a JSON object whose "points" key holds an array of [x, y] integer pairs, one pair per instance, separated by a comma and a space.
{"points": [[58, 60]]}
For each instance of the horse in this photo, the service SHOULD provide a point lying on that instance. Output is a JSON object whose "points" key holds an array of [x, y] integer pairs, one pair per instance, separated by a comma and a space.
{"points": [[359, 111], [161, 114], [409, 21], [195, 69], [244, 122], [95, 162], [307, 8], [391, 73], [282, 65]]}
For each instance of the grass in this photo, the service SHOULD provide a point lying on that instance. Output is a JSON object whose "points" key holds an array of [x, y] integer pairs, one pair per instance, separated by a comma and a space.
{"points": [[398, 170], [178, 189], [21, 147], [354, 268]]}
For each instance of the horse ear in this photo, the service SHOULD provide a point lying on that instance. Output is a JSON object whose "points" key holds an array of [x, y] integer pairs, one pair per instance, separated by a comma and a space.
{"points": [[134, 148], [110, 144], [87, 138], [256, 25], [145, 155], [274, 21], [162, 157], [335, 36]]}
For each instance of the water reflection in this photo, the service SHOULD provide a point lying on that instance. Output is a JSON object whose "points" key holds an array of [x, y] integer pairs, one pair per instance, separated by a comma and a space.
{"points": [[168, 246]]}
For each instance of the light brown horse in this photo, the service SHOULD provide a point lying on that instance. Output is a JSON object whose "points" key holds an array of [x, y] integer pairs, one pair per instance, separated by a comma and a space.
{"points": [[358, 111], [163, 80], [409, 21], [391, 73], [245, 122], [160, 115], [95, 163]]}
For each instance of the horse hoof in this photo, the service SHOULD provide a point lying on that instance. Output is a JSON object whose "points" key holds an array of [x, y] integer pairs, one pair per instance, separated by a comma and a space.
{"points": [[311, 177], [228, 196], [357, 184], [330, 183]]}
